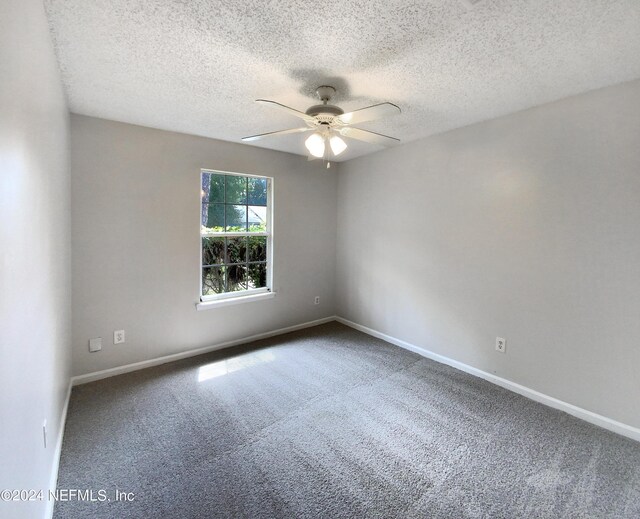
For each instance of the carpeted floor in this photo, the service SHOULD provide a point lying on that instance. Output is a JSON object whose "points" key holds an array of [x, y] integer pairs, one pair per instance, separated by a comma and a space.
{"points": [[329, 422]]}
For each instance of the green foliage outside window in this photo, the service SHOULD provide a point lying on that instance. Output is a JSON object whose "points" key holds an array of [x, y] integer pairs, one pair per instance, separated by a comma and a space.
{"points": [[233, 204]]}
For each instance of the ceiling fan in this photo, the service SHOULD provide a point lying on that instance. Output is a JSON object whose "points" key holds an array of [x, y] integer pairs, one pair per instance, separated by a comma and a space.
{"points": [[329, 123]]}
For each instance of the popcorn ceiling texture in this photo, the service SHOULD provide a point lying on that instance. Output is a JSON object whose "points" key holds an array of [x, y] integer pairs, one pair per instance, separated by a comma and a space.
{"points": [[196, 66]]}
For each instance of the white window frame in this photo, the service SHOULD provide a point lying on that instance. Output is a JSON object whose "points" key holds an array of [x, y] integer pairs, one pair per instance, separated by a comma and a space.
{"points": [[250, 294]]}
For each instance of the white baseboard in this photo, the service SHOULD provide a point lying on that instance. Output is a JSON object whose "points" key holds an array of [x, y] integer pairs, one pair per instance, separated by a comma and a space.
{"points": [[588, 416], [98, 375], [53, 480]]}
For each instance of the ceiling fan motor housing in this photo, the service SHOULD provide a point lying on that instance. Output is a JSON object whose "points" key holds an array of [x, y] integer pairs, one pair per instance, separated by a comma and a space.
{"points": [[320, 110], [325, 112]]}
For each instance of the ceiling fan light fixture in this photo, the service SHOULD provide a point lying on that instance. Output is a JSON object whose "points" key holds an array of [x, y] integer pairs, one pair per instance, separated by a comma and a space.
{"points": [[315, 145], [337, 145], [328, 124]]}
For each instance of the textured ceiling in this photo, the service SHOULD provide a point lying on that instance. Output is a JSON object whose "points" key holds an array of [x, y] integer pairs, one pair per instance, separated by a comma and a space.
{"points": [[195, 66]]}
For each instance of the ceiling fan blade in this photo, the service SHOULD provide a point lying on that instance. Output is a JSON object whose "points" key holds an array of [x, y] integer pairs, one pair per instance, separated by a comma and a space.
{"points": [[271, 134], [368, 114], [288, 109], [367, 136]]}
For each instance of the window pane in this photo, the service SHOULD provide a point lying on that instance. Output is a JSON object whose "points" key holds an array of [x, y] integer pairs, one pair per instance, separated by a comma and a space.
{"points": [[236, 218], [236, 190], [257, 191], [212, 251], [213, 280], [233, 204], [257, 218], [257, 248], [236, 278], [257, 275], [236, 250], [213, 216], [212, 188]]}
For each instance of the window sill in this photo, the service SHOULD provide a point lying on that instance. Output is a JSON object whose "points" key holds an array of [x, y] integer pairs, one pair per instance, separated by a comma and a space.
{"points": [[209, 305]]}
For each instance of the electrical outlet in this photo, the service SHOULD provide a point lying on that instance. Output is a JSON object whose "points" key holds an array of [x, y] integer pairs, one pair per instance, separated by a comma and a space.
{"points": [[118, 337], [95, 344], [316, 300], [501, 345], [44, 433]]}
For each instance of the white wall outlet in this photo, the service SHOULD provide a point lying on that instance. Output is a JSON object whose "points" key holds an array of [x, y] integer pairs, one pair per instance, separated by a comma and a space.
{"points": [[501, 345], [118, 337], [44, 433], [95, 344], [316, 300]]}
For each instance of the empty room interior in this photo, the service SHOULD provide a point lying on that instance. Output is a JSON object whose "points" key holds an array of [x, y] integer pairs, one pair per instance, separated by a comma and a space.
{"points": [[341, 259]]}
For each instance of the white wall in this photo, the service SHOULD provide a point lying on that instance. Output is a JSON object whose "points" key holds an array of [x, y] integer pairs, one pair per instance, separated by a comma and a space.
{"points": [[35, 286], [525, 227], [136, 196]]}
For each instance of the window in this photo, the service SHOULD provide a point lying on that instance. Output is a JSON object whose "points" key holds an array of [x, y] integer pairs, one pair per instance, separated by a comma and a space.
{"points": [[235, 235]]}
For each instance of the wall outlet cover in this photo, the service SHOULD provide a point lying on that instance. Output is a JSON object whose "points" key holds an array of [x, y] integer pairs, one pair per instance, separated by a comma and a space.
{"points": [[118, 337], [501, 345]]}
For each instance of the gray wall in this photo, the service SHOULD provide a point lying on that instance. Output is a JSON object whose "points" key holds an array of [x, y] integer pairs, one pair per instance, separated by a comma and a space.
{"points": [[525, 227], [136, 196], [35, 286]]}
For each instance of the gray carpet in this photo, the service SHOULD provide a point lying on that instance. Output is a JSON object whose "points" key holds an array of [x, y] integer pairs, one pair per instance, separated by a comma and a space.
{"points": [[329, 422]]}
